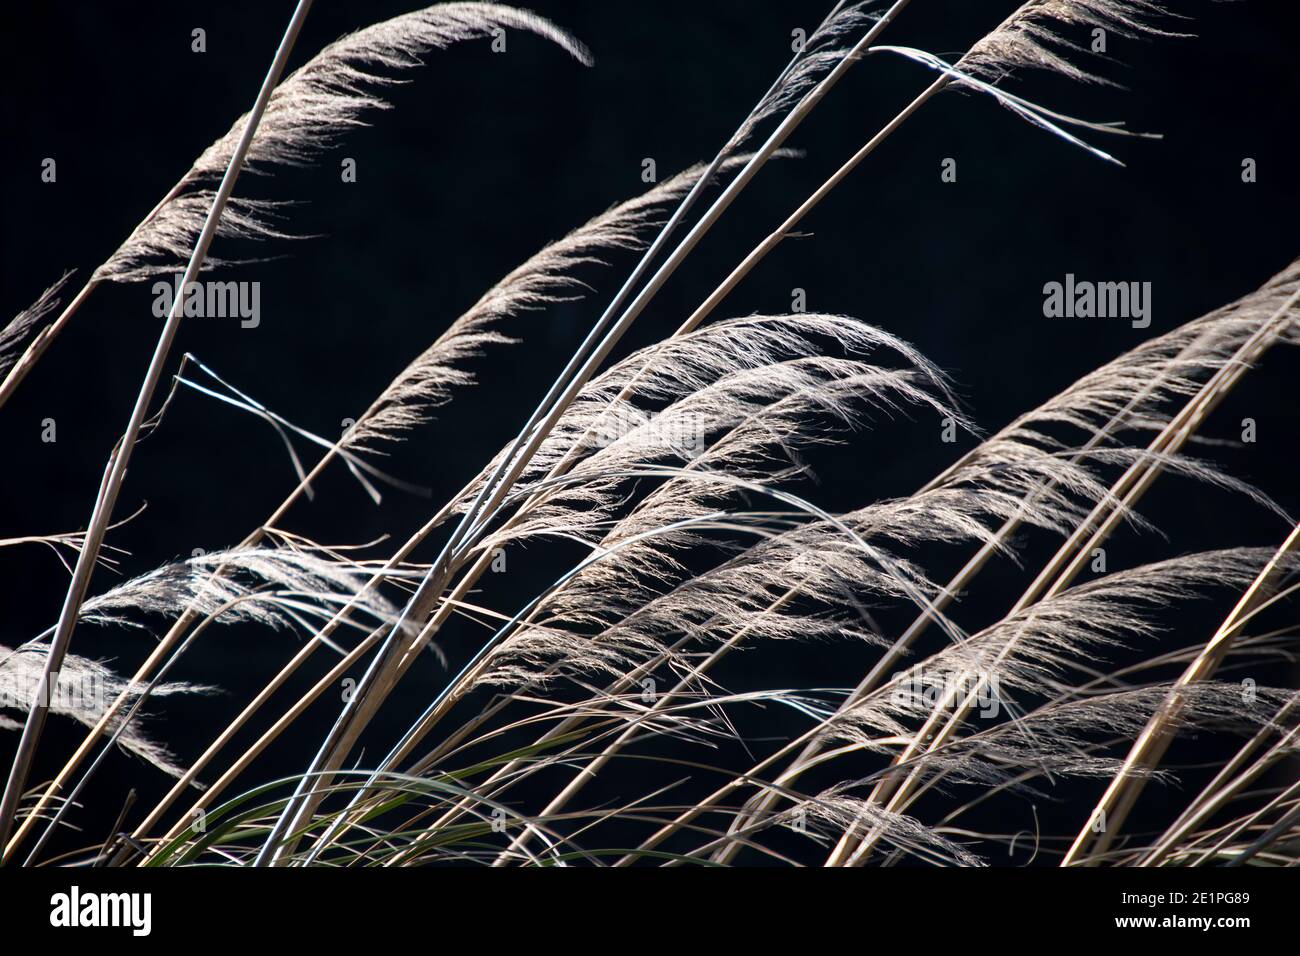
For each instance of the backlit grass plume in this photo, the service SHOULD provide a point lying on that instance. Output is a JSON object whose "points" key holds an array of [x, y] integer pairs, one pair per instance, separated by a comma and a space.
{"points": [[665, 490]]}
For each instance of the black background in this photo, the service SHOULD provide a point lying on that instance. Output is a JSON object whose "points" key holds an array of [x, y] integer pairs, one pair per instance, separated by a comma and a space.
{"points": [[486, 157]]}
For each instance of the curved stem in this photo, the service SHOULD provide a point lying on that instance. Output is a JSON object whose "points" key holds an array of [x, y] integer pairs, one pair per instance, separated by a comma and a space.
{"points": [[118, 460]]}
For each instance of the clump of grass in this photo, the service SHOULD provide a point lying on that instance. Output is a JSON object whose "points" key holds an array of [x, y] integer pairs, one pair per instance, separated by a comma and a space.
{"points": [[677, 470]]}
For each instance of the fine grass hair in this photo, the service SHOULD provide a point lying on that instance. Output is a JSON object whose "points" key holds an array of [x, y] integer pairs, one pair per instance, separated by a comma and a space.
{"points": [[669, 490]]}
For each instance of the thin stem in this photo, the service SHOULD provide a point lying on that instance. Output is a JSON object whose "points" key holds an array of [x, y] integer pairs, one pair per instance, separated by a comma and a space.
{"points": [[590, 354], [118, 460], [1218, 791], [1104, 518], [36, 348], [1156, 736]]}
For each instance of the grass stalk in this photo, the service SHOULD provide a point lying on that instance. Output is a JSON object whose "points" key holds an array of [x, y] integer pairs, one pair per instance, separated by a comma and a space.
{"points": [[1151, 744], [1073, 555], [593, 351], [116, 470]]}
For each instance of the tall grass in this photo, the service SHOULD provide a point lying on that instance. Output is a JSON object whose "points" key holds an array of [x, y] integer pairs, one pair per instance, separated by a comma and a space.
{"points": [[678, 471]]}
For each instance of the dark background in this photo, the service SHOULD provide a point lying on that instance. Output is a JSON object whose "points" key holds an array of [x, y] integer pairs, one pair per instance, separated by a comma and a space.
{"points": [[485, 158]]}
